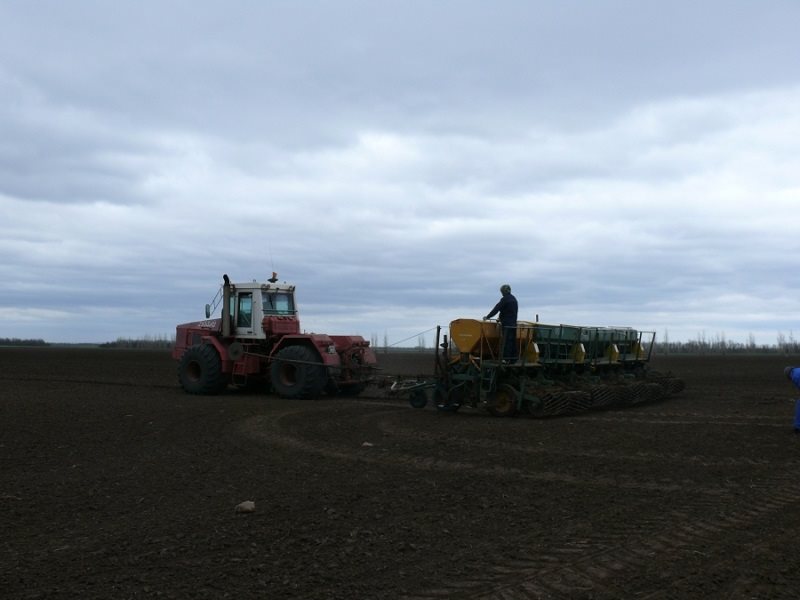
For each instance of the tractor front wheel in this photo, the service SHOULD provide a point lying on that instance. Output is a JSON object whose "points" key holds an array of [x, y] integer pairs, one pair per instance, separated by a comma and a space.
{"points": [[297, 372], [200, 371]]}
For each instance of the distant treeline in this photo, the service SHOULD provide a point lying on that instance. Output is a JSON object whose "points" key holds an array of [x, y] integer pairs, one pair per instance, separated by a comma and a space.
{"points": [[147, 342], [19, 342], [732, 348], [719, 344]]}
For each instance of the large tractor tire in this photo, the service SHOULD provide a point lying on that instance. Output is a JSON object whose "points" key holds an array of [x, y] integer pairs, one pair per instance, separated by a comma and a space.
{"points": [[200, 371], [297, 372]]}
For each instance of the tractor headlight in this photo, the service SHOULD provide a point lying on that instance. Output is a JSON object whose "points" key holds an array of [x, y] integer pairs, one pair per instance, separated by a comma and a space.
{"points": [[331, 349]]}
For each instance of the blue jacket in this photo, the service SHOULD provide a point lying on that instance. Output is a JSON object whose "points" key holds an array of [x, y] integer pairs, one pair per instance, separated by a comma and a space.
{"points": [[794, 375], [507, 307]]}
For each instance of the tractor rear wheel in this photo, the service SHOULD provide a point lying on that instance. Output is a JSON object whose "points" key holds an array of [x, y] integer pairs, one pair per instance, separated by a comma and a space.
{"points": [[200, 371], [297, 372]]}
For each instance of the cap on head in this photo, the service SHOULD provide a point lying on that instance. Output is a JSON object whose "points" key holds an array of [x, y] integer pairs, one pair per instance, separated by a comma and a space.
{"points": [[505, 289], [788, 372]]}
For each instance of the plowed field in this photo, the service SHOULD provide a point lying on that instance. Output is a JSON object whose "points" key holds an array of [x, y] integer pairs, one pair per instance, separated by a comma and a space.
{"points": [[115, 484]]}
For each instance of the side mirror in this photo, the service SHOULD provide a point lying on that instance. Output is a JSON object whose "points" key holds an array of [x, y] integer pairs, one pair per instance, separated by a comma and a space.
{"points": [[208, 311]]}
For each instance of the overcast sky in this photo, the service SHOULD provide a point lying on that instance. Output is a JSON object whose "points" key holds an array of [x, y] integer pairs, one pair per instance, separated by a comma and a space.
{"points": [[616, 162]]}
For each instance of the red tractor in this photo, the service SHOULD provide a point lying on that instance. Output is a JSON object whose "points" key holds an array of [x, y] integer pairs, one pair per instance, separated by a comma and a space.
{"points": [[257, 341]]}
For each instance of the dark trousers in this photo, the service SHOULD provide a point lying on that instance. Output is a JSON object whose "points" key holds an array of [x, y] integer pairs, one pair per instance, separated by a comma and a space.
{"points": [[510, 341]]}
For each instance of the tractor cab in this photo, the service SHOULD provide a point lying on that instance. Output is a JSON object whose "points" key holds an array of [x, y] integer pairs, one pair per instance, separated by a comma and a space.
{"points": [[255, 310]]}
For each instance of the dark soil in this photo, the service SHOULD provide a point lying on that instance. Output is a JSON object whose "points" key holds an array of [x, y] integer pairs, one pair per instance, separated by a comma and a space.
{"points": [[116, 484]]}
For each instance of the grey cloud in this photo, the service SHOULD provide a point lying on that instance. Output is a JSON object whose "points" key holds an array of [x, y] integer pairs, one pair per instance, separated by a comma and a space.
{"points": [[250, 66], [397, 160]]}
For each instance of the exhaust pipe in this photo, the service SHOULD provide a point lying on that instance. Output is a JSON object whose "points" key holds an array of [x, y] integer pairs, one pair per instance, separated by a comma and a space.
{"points": [[226, 306]]}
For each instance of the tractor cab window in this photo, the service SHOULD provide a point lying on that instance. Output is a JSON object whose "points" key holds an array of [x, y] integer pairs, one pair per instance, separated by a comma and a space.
{"points": [[277, 303], [244, 312]]}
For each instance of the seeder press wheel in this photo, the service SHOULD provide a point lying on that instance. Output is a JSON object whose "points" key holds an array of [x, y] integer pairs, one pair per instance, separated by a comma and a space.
{"points": [[503, 401]]}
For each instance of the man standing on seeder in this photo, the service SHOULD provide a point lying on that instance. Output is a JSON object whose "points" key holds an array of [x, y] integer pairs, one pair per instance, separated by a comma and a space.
{"points": [[507, 307]]}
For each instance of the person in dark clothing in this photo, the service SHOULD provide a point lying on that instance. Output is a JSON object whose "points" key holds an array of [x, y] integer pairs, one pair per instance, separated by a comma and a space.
{"points": [[507, 307]]}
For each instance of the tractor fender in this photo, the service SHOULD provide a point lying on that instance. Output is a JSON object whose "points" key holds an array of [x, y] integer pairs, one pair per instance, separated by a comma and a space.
{"points": [[321, 345], [221, 349]]}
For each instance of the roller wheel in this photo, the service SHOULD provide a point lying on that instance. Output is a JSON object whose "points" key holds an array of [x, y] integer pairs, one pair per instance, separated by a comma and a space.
{"points": [[555, 403], [655, 392], [298, 372], [625, 395], [676, 385], [418, 398], [503, 401], [645, 392], [200, 371], [579, 401], [670, 385], [603, 396], [535, 403], [639, 393]]}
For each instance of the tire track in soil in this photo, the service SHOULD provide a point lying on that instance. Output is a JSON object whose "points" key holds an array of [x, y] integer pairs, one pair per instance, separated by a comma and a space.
{"points": [[305, 438], [589, 566], [269, 427], [744, 585], [639, 456], [703, 420]]}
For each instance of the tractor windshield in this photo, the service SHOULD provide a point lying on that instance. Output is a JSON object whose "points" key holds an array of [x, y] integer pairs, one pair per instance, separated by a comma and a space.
{"points": [[277, 303]]}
